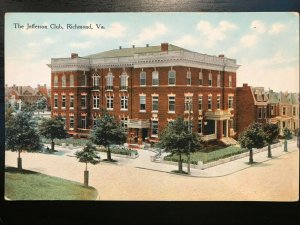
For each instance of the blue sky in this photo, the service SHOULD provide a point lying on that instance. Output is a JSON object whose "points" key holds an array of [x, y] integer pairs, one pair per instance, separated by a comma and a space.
{"points": [[266, 45]]}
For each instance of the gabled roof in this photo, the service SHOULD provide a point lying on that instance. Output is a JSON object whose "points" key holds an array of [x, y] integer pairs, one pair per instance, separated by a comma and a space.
{"points": [[125, 52]]}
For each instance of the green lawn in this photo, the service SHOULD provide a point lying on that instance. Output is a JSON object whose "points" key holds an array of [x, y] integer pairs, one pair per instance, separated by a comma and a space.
{"points": [[28, 185], [209, 156]]}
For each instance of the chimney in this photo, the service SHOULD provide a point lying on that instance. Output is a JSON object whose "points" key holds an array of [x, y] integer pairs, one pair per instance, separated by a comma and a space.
{"points": [[133, 46], [164, 47], [147, 45], [221, 56], [74, 55], [120, 47], [245, 85]]}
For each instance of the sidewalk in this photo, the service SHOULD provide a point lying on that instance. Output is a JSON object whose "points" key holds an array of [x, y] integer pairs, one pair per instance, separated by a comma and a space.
{"points": [[222, 169]]}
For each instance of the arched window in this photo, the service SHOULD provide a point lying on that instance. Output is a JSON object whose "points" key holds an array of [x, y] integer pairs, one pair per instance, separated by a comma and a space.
{"points": [[155, 79], [63, 81], [109, 81], [230, 81], [219, 80], [172, 77], [209, 79], [188, 78], [71, 80], [96, 80], [200, 78], [55, 80], [124, 81]]}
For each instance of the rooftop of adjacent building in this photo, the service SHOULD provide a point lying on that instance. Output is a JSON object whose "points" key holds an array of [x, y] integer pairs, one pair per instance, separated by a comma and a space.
{"points": [[26, 90]]}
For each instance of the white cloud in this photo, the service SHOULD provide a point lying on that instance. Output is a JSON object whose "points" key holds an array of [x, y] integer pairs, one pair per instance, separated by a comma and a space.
{"points": [[258, 26], [48, 41], [115, 30], [150, 33], [248, 40], [214, 34], [186, 40], [81, 45], [276, 28]]}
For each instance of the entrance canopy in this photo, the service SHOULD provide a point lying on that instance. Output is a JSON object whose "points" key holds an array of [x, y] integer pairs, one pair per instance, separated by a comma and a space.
{"points": [[218, 115], [138, 123]]}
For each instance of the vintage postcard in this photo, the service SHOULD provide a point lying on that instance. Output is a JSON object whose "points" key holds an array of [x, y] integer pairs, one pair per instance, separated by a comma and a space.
{"points": [[152, 106]]}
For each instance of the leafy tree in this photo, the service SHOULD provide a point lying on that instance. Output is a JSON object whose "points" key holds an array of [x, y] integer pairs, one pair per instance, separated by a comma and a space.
{"points": [[106, 132], [53, 128], [252, 137], [271, 132], [41, 104], [88, 155], [175, 138], [21, 134]]}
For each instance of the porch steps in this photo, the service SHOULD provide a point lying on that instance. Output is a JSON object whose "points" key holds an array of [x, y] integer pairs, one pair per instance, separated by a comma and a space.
{"points": [[229, 141]]}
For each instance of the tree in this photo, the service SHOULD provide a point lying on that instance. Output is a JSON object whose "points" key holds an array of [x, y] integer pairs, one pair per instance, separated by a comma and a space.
{"points": [[53, 128], [175, 138], [287, 135], [106, 132], [252, 137], [41, 104], [21, 134], [87, 155], [271, 132]]}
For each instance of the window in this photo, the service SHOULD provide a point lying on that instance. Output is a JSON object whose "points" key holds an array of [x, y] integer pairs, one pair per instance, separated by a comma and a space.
{"points": [[96, 80], [172, 104], [219, 80], [259, 113], [124, 102], [96, 101], [172, 77], [188, 78], [55, 101], [110, 102], [55, 81], [124, 81], [64, 121], [200, 78], [63, 101], [83, 122], [71, 125], [209, 79], [200, 102], [272, 110], [154, 128], [265, 112], [124, 123], [283, 111], [230, 102], [209, 103], [154, 103], [218, 102], [294, 111], [83, 101], [230, 81], [155, 80], [63, 81], [283, 124], [200, 126], [71, 101], [142, 103], [71, 80], [188, 102], [83, 80], [143, 78], [109, 81]]}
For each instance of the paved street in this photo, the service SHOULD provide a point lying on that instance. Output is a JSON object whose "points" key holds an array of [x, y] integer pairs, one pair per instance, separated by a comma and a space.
{"points": [[275, 179]]}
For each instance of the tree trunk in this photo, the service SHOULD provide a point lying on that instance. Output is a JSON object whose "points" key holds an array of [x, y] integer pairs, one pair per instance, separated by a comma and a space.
{"points": [[285, 145], [108, 153], [86, 178], [180, 163], [52, 145], [250, 156], [19, 160], [269, 151]]}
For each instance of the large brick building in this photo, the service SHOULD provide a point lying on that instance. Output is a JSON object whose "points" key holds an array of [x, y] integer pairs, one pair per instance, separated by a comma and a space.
{"points": [[145, 88]]}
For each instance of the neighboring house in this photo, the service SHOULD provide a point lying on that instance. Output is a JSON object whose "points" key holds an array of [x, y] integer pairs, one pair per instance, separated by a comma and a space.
{"points": [[284, 109], [251, 106], [16, 96], [146, 88]]}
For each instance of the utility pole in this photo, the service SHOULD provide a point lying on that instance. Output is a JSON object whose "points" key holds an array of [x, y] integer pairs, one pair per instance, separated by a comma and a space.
{"points": [[190, 131]]}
